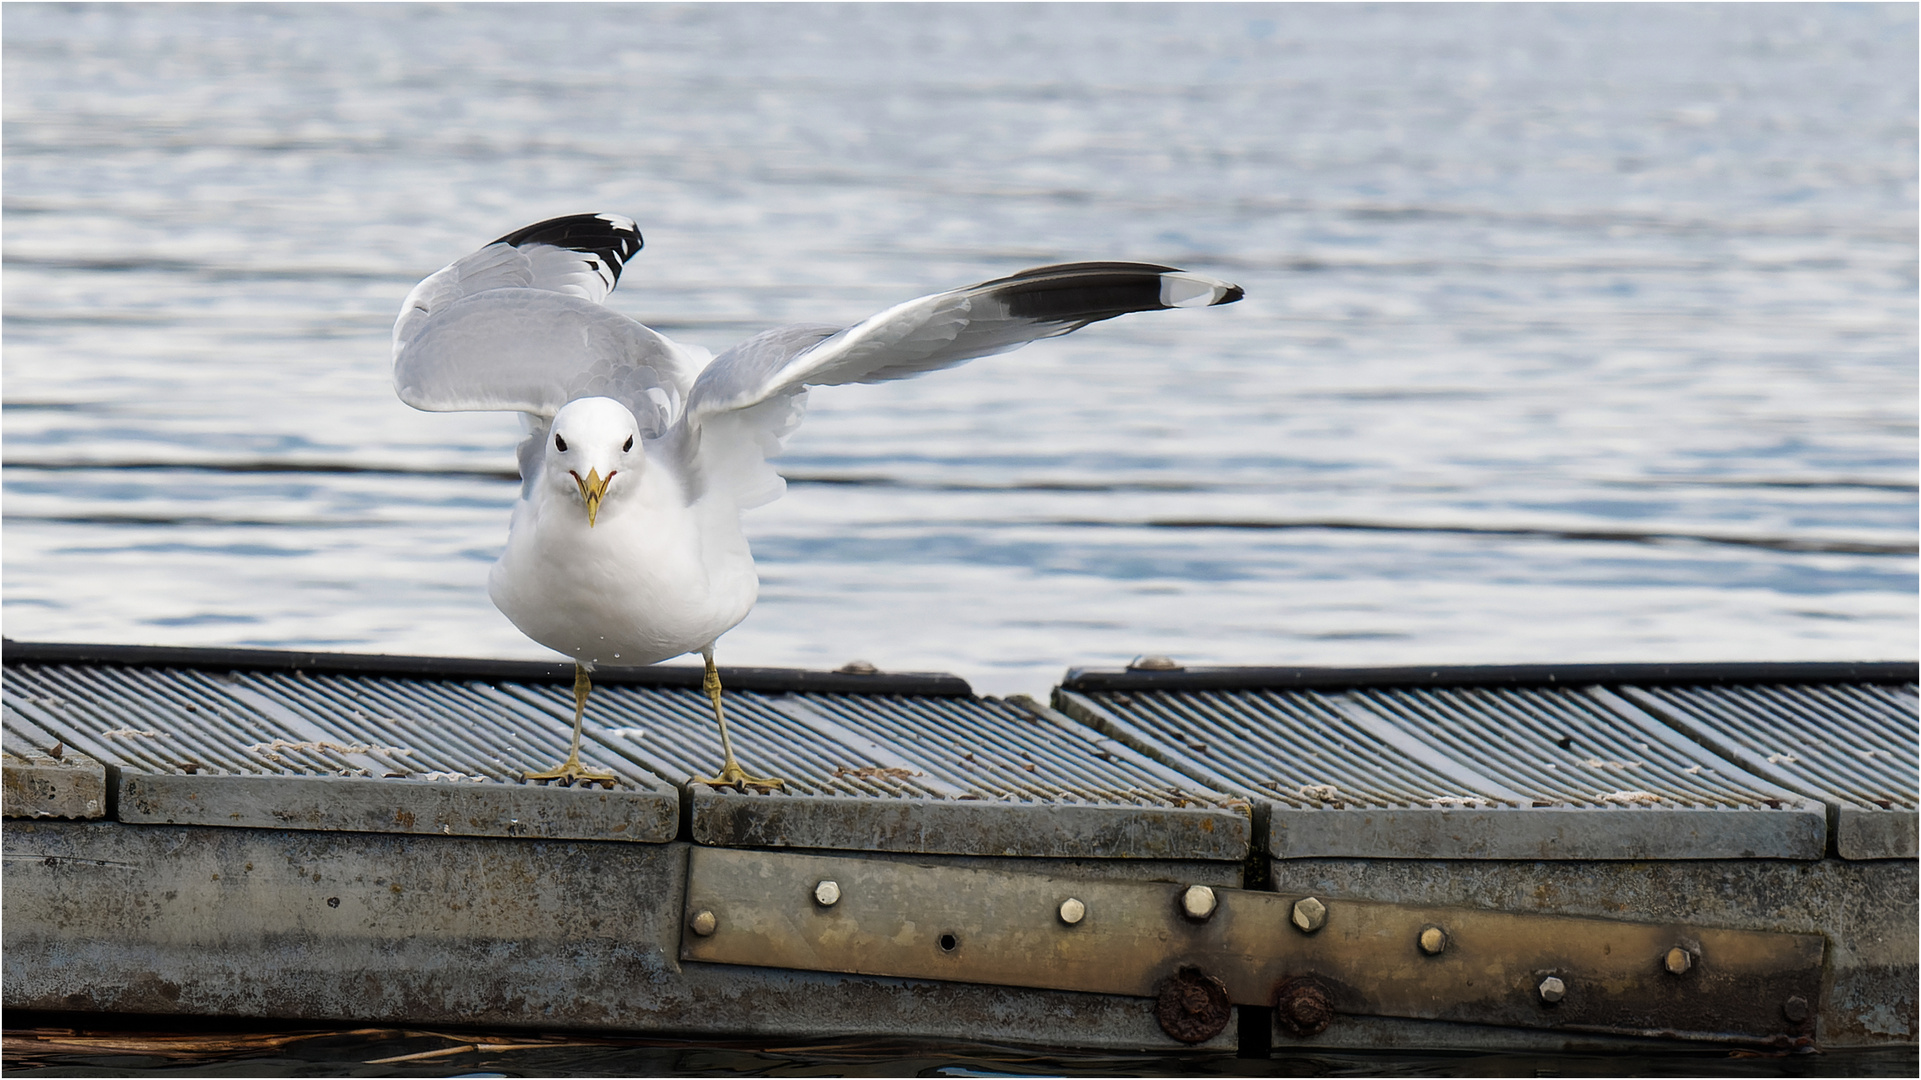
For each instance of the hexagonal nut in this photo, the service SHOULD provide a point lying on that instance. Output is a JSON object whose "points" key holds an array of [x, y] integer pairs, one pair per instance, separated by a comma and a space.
{"points": [[827, 893], [1309, 914], [1072, 911], [1198, 902], [1433, 940], [1553, 989], [1795, 1009], [702, 922], [1678, 961]]}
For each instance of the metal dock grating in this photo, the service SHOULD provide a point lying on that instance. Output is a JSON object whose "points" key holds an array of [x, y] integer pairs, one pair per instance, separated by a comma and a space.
{"points": [[901, 772], [1512, 763], [1853, 746], [365, 744]]}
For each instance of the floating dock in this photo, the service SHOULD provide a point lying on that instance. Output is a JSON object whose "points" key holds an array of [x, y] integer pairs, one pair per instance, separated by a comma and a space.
{"points": [[1540, 857]]}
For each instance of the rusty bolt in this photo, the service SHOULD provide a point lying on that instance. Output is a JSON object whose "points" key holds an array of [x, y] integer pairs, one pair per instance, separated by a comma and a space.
{"points": [[1301, 1005], [1553, 989], [827, 893], [1072, 911], [703, 922], [1795, 1009], [1678, 961], [1433, 940], [1309, 914], [1193, 1006], [1198, 902]]}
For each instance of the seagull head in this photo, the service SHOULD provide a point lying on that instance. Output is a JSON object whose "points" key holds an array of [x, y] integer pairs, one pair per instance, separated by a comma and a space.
{"points": [[591, 441]]}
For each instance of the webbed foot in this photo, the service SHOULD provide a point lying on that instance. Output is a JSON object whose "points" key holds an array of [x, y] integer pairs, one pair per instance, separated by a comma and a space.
{"points": [[733, 776], [570, 773]]}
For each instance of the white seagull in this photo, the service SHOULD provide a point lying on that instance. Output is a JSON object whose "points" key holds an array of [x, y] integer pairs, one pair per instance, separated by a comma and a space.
{"points": [[640, 454]]}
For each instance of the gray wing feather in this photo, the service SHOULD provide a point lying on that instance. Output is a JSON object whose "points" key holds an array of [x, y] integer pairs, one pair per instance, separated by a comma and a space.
{"points": [[518, 325], [946, 329], [746, 402], [534, 351]]}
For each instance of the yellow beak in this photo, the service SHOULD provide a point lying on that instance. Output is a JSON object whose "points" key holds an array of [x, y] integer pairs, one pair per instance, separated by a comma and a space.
{"points": [[592, 490]]}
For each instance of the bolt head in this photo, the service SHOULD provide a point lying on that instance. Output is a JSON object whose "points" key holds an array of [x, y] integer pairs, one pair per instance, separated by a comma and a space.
{"points": [[827, 893], [1433, 940], [1072, 911], [1154, 663], [703, 922], [1795, 1009], [1309, 914], [1553, 989], [1198, 902], [1678, 961]]}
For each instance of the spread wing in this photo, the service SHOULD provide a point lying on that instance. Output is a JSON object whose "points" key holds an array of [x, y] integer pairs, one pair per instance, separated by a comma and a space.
{"points": [[746, 402], [518, 325]]}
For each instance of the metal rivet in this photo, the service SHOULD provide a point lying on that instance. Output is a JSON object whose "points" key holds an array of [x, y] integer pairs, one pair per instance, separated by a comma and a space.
{"points": [[1309, 914], [1795, 1009], [1433, 940], [703, 922], [1198, 902], [827, 893], [859, 667], [1678, 961], [1552, 989], [1072, 911], [1154, 663]]}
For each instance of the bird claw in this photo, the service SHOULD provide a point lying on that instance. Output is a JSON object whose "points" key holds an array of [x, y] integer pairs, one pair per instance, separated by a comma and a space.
{"points": [[570, 773], [733, 776]]}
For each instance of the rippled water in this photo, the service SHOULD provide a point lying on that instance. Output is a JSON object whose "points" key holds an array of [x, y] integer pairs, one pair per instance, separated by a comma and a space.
{"points": [[1572, 333]]}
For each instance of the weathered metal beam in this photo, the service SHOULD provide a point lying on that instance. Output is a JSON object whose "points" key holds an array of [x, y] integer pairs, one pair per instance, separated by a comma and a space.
{"points": [[356, 804], [38, 786], [1309, 957], [1867, 911], [969, 827], [366, 927]]}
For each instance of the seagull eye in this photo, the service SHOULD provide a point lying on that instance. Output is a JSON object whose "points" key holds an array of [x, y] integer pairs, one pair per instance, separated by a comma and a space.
{"points": [[630, 444], [560, 444]]}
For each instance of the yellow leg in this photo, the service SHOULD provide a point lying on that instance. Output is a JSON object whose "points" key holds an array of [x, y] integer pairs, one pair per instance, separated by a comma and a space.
{"points": [[571, 771], [731, 774]]}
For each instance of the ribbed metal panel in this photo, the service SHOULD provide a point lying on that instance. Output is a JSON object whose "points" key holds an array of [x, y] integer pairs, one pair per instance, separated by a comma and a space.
{"points": [[1584, 748], [1294, 749], [956, 775], [1853, 746], [1472, 772], [365, 743], [282, 749]]}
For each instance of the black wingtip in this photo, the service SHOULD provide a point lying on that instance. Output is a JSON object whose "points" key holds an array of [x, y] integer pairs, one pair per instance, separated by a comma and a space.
{"points": [[611, 236], [1232, 295]]}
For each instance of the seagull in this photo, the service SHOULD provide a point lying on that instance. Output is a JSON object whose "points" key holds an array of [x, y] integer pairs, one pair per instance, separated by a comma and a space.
{"points": [[640, 453]]}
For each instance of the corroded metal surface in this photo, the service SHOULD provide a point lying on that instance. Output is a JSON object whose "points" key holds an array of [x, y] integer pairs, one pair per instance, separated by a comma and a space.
{"points": [[1465, 772], [1853, 746], [438, 930], [1866, 911], [1192, 1005], [975, 925]]}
